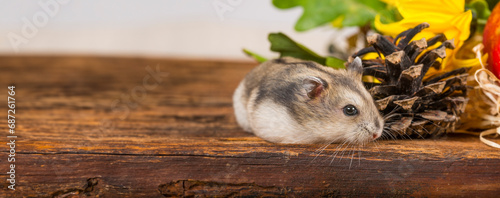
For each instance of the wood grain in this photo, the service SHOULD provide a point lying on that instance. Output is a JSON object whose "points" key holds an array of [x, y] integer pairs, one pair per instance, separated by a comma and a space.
{"points": [[89, 126]]}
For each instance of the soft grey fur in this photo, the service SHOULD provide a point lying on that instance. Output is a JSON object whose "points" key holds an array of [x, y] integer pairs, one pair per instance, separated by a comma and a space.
{"points": [[276, 101]]}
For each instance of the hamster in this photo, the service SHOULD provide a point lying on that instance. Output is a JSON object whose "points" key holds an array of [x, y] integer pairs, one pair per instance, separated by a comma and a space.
{"points": [[288, 100]]}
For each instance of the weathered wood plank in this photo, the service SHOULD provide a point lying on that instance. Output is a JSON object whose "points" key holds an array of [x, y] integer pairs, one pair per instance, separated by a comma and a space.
{"points": [[82, 131]]}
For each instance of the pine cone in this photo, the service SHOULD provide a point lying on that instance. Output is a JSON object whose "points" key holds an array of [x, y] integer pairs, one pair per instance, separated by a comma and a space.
{"points": [[411, 103]]}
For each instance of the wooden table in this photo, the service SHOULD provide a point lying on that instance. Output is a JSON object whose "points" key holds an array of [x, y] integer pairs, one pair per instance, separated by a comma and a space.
{"points": [[149, 127]]}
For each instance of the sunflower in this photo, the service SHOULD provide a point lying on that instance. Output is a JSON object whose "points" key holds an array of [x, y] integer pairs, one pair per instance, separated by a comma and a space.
{"points": [[448, 17]]}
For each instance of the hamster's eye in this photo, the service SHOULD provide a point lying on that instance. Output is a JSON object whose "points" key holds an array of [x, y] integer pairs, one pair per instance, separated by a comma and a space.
{"points": [[350, 110]]}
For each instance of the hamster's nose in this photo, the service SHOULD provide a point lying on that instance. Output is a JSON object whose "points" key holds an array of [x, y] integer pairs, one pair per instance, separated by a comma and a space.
{"points": [[375, 136]]}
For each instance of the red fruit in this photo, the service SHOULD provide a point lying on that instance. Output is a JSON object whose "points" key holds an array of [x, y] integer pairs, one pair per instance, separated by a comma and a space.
{"points": [[491, 40]]}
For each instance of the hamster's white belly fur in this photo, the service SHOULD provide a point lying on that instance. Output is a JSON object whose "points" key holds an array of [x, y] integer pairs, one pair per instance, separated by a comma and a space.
{"points": [[240, 107]]}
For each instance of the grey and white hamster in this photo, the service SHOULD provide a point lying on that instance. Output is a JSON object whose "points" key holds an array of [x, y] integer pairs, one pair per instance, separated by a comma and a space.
{"points": [[289, 100]]}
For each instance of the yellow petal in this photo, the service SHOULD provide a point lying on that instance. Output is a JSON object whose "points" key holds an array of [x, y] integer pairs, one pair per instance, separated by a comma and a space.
{"points": [[445, 63], [424, 34], [395, 28], [472, 62], [409, 8], [391, 29], [372, 55], [462, 23]]}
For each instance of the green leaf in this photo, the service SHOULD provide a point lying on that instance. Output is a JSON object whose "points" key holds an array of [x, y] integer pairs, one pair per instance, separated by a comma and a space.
{"points": [[480, 14], [285, 4], [320, 12], [255, 56], [480, 7], [287, 47], [389, 15], [335, 63]]}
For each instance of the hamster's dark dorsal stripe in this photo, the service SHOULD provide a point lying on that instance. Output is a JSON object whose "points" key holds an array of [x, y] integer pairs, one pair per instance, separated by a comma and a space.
{"points": [[282, 93], [341, 80], [308, 64], [280, 61], [314, 66], [317, 67], [346, 82]]}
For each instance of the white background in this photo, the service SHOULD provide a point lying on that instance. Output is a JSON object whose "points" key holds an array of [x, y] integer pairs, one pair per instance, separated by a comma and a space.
{"points": [[164, 28]]}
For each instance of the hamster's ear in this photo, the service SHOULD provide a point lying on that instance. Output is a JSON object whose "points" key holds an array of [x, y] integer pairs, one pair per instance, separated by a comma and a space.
{"points": [[356, 67], [313, 86]]}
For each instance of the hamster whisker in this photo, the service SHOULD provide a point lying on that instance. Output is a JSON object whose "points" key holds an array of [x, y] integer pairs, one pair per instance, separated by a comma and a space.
{"points": [[340, 145], [391, 113], [376, 145], [342, 156], [387, 119], [432, 122], [389, 116], [337, 150], [352, 156], [387, 131], [414, 131], [425, 130], [359, 155], [342, 152], [321, 149], [384, 136], [400, 135], [404, 133]]}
